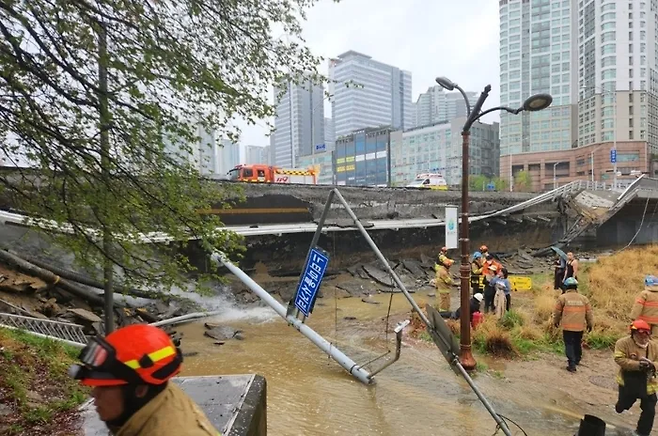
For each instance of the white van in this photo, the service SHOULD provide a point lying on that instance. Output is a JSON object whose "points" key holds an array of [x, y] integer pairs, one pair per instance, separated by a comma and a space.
{"points": [[429, 181]]}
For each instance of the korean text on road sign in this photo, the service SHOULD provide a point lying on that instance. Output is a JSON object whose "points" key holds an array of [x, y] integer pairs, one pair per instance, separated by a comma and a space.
{"points": [[310, 281]]}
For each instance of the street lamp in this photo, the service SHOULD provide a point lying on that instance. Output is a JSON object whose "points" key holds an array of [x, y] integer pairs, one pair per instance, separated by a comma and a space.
{"points": [[534, 103], [614, 130], [554, 176]]}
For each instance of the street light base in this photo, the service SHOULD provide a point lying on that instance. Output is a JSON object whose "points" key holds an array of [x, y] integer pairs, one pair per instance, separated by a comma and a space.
{"points": [[466, 358]]}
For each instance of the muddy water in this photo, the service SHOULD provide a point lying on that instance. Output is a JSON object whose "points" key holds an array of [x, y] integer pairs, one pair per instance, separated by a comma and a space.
{"points": [[309, 394]]}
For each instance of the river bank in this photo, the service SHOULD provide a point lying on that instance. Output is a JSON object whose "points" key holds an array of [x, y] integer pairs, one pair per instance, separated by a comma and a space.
{"points": [[352, 313]]}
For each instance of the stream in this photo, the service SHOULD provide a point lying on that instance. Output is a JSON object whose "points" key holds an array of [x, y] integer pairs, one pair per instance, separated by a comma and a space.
{"points": [[309, 394]]}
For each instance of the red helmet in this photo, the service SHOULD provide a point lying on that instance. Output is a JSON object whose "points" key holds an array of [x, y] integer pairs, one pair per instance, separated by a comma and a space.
{"points": [[484, 248], [640, 325], [444, 249], [136, 354]]}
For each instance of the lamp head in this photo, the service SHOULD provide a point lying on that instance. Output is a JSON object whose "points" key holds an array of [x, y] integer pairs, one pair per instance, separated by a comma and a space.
{"points": [[537, 102], [446, 83]]}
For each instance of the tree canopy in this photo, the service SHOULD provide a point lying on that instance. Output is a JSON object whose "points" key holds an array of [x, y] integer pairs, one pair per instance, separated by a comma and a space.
{"points": [[106, 98]]}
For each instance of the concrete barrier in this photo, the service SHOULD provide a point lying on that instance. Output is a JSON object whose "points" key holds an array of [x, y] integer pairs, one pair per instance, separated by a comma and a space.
{"points": [[235, 404]]}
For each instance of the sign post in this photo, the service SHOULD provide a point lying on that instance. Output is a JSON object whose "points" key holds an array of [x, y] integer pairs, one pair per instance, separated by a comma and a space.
{"points": [[613, 160], [452, 237], [309, 282]]}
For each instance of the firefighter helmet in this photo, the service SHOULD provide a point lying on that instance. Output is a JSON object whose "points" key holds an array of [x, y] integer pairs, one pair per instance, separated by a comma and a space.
{"points": [[640, 325], [135, 354]]}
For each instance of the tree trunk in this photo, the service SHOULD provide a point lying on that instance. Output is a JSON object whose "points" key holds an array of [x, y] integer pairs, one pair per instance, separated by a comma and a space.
{"points": [[51, 278]]}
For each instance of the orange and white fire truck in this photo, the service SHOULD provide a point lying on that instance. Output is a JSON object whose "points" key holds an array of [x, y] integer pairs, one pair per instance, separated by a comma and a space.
{"points": [[271, 174]]}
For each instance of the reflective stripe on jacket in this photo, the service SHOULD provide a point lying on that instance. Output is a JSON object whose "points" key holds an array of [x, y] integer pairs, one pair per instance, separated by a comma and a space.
{"points": [[627, 356], [476, 273], [646, 306], [574, 310], [171, 413]]}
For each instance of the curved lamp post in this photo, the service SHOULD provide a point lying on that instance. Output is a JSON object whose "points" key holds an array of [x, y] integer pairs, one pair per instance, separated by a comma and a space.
{"points": [[534, 103]]}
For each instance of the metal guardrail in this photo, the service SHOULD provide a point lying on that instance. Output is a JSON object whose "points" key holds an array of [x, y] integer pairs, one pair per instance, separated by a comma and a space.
{"points": [[73, 334]]}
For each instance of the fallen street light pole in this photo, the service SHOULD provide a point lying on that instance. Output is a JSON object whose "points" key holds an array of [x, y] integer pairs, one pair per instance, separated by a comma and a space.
{"points": [[350, 366], [437, 328], [533, 103]]}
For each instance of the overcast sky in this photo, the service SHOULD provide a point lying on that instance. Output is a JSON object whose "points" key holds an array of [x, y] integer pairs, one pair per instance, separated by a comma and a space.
{"points": [[456, 39]]}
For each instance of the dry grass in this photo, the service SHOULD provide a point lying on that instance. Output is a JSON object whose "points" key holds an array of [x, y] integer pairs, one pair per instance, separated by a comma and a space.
{"points": [[611, 284], [491, 338], [614, 282]]}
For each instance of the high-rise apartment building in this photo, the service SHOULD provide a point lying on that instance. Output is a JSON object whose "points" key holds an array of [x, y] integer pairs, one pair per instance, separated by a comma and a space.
{"points": [[329, 134], [538, 54], [299, 123], [435, 105], [229, 155], [598, 60], [618, 72], [368, 93], [256, 154]]}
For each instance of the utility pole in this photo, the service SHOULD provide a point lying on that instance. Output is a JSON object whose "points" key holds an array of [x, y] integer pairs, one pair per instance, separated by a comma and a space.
{"points": [[104, 115]]}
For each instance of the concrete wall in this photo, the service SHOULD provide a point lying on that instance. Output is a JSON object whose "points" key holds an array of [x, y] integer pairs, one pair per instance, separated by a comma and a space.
{"points": [[620, 229], [288, 252], [381, 203]]}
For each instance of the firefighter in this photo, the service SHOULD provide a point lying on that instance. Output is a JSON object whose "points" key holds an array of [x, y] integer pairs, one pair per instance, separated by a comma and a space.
{"points": [[575, 313], [637, 357], [129, 372], [443, 279], [477, 267], [646, 304]]}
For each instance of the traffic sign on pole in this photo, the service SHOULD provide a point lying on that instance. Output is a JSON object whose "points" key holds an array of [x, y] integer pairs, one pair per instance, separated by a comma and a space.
{"points": [[613, 156]]}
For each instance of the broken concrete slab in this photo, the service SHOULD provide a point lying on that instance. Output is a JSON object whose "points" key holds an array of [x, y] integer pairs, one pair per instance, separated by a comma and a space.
{"points": [[378, 275], [354, 288], [85, 315], [221, 332], [415, 268]]}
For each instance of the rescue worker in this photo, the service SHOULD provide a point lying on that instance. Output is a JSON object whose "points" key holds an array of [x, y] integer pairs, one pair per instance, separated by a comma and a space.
{"points": [[637, 357], [571, 269], [575, 313], [129, 372], [477, 267], [646, 304], [443, 279], [489, 290], [474, 305]]}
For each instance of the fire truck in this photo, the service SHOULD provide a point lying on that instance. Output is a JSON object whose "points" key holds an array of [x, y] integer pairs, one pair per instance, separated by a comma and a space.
{"points": [[271, 174]]}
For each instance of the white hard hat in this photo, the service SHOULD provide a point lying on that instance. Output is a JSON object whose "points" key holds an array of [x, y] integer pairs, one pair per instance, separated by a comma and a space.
{"points": [[478, 297]]}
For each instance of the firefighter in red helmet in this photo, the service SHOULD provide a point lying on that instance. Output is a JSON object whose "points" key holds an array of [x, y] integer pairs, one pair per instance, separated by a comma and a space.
{"points": [[129, 372], [637, 357]]}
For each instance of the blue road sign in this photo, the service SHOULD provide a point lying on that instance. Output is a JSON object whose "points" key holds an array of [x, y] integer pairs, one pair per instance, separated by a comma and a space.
{"points": [[491, 187], [309, 283], [613, 156], [320, 147]]}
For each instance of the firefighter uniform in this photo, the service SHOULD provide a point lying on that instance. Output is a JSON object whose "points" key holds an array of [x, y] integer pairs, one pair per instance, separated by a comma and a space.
{"points": [[575, 313], [646, 308], [443, 281], [476, 273], [637, 382]]}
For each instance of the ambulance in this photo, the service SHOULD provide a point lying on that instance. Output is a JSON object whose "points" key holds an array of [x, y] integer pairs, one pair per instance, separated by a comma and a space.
{"points": [[429, 181]]}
